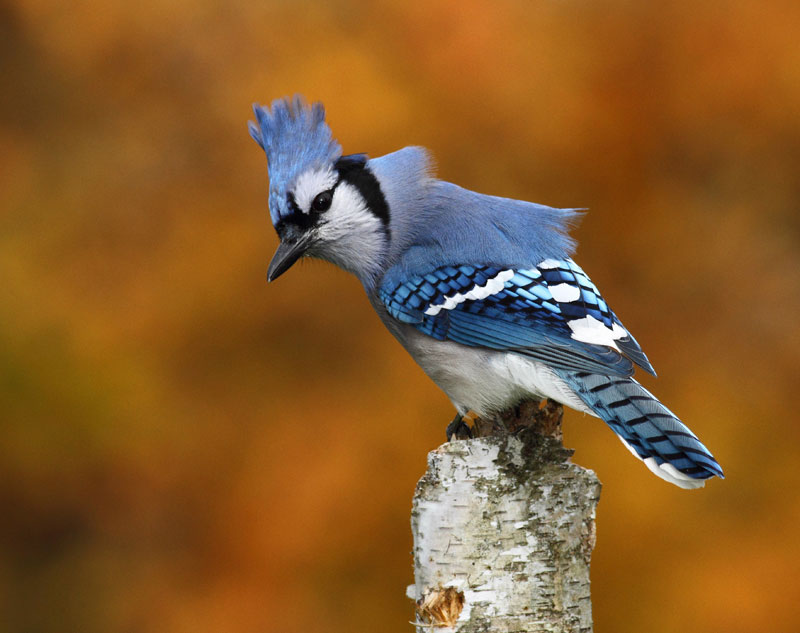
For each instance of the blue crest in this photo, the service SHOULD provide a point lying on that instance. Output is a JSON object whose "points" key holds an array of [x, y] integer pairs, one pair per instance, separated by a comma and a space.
{"points": [[295, 138]]}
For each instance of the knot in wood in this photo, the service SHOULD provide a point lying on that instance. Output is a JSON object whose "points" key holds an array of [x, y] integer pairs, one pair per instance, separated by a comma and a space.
{"points": [[440, 607]]}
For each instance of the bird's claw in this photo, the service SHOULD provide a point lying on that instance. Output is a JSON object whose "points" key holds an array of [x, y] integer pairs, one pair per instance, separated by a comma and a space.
{"points": [[458, 429]]}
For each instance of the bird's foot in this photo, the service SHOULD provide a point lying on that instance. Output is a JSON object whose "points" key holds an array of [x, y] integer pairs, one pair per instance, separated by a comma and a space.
{"points": [[458, 429]]}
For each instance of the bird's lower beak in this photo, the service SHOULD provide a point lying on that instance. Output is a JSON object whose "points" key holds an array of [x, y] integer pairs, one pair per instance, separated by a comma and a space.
{"points": [[286, 255]]}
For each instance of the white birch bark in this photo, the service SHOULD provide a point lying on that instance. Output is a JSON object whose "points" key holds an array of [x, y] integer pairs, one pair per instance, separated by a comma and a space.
{"points": [[503, 532]]}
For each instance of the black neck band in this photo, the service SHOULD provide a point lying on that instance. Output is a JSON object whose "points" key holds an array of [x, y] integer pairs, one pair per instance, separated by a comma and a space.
{"points": [[354, 170]]}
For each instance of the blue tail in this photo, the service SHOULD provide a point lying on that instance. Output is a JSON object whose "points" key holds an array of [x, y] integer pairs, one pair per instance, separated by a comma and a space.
{"points": [[650, 430]]}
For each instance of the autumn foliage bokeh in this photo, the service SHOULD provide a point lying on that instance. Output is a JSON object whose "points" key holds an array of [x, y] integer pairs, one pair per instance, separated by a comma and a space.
{"points": [[184, 448]]}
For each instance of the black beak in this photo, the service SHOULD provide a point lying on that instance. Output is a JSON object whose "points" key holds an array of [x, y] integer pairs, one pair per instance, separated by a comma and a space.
{"points": [[286, 255]]}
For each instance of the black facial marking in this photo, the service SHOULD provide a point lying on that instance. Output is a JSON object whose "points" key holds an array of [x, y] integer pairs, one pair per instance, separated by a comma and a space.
{"points": [[289, 232], [293, 204], [297, 219], [351, 161], [353, 170]]}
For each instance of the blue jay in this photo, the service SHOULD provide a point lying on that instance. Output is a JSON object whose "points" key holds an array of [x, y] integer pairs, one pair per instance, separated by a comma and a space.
{"points": [[480, 290]]}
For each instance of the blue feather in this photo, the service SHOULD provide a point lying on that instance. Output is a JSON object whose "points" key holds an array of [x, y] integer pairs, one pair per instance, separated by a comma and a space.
{"points": [[295, 138], [644, 424], [522, 316], [474, 228]]}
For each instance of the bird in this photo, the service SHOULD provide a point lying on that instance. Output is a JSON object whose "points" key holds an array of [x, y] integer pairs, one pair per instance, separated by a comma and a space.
{"points": [[481, 290]]}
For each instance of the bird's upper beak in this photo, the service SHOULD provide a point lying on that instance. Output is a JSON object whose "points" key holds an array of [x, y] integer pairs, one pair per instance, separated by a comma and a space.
{"points": [[287, 254]]}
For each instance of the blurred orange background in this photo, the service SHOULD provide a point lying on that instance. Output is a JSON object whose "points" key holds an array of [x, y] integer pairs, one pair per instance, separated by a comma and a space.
{"points": [[184, 448]]}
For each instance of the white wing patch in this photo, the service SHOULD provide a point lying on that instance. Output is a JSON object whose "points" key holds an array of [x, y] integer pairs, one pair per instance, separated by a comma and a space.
{"points": [[591, 330], [310, 184], [491, 287], [565, 293], [549, 263]]}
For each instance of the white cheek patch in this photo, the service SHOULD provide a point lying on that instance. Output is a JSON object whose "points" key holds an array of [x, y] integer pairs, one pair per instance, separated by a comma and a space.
{"points": [[310, 184], [350, 235], [591, 330], [349, 210], [491, 287]]}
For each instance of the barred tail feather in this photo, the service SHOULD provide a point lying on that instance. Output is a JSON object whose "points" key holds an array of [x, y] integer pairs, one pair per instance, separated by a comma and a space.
{"points": [[647, 428]]}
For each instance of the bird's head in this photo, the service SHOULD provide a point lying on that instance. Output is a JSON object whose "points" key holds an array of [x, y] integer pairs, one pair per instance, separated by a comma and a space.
{"points": [[322, 204]]}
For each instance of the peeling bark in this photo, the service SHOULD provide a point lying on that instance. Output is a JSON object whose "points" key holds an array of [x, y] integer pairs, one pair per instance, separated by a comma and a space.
{"points": [[504, 530]]}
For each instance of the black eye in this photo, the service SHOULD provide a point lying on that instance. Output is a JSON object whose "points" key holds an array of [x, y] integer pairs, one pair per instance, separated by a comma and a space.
{"points": [[323, 201]]}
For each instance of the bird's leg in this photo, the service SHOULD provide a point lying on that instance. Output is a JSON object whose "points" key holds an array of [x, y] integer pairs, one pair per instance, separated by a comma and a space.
{"points": [[458, 429]]}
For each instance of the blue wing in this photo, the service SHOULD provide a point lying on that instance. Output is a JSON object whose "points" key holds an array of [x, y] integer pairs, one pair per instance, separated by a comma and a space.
{"points": [[552, 313]]}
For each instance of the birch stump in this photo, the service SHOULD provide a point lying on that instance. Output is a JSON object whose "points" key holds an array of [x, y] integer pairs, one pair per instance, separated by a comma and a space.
{"points": [[504, 530]]}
